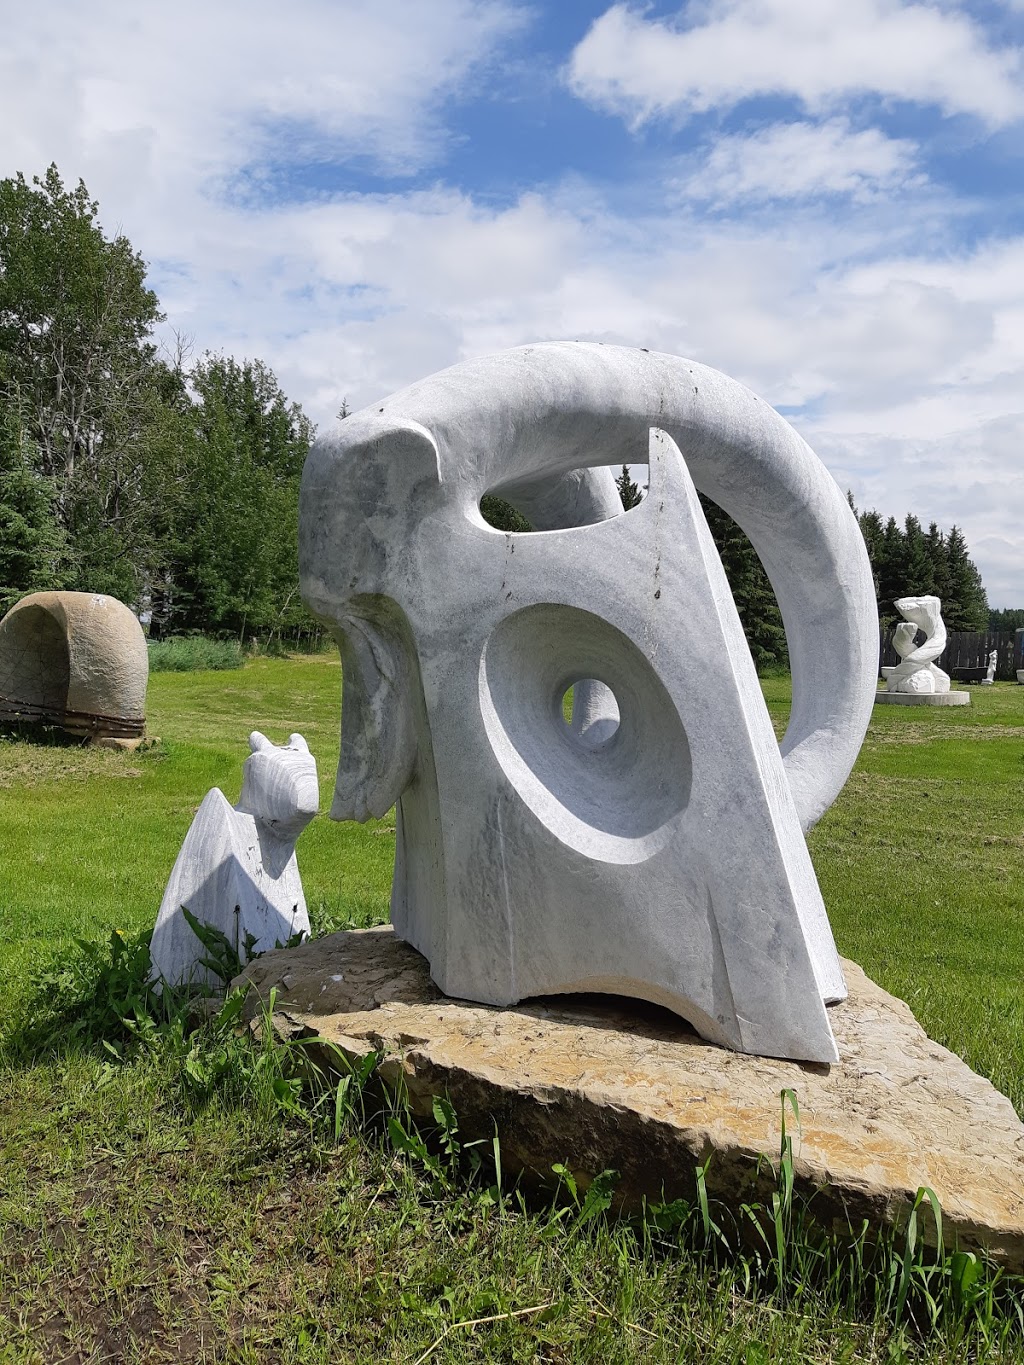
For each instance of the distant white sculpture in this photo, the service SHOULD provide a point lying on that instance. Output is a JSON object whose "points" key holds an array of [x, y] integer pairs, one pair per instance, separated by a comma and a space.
{"points": [[916, 672], [652, 846], [236, 870], [990, 676]]}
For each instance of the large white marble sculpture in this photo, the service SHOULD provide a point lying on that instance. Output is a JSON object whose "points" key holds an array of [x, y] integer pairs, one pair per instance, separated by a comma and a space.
{"points": [[916, 672], [237, 870], [653, 846], [990, 669]]}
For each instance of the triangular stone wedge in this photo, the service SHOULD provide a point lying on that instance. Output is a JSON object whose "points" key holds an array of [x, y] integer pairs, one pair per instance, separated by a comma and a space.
{"points": [[666, 862]]}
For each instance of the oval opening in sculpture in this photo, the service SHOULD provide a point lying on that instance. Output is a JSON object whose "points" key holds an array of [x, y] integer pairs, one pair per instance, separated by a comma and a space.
{"points": [[590, 712], [616, 798]]}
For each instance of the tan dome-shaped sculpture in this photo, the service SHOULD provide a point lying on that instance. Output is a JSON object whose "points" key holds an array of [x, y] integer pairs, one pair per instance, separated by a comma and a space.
{"points": [[74, 659]]}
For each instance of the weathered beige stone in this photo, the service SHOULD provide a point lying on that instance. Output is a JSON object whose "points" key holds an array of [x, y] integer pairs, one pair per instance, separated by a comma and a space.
{"points": [[603, 1083], [74, 659]]}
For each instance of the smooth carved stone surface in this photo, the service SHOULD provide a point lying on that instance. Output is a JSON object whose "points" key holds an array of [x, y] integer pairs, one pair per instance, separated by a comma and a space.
{"points": [[612, 1084], [917, 673], [664, 814], [237, 870], [75, 659]]}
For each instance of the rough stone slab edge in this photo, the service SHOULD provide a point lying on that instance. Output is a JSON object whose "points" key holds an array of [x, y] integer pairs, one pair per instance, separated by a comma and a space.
{"points": [[736, 1175], [655, 1159]]}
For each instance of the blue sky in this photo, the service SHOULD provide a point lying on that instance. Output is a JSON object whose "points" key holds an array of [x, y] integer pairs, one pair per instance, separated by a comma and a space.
{"points": [[824, 198]]}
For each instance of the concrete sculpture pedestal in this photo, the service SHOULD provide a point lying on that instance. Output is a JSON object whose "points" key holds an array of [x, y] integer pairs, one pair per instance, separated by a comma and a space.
{"points": [[884, 698], [600, 1083]]}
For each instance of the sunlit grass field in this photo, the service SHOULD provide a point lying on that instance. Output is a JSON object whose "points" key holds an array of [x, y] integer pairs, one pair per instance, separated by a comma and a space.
{"points": [[136, 1227], [921, 860]]}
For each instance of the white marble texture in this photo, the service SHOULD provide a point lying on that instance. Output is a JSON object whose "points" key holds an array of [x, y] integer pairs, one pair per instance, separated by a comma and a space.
{"points": [[237, 870], [916, 672], [653, 846]]}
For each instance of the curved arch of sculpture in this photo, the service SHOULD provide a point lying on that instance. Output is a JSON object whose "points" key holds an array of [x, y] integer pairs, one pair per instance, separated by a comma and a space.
{"points": [[537, 423], [663, 857]]}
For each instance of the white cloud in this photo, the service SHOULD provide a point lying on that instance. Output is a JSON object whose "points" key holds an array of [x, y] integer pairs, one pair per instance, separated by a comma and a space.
{"points": [[798, 160], [820, 52], [910, 371], [157, 105], [910, 364]]}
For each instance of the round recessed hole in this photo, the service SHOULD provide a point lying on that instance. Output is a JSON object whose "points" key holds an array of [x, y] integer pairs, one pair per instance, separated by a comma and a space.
{"points": [[590, 712], [616, 798]]}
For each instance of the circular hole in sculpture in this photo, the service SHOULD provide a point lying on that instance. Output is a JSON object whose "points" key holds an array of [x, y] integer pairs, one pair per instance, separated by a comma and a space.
{"points": [[590, 712]]}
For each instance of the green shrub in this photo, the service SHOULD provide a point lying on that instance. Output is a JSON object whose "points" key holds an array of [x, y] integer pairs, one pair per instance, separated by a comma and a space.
{"points": [[190, 653]]}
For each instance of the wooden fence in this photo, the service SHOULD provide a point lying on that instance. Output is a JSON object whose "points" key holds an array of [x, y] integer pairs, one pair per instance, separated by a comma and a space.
{"points": [[968, 649]]}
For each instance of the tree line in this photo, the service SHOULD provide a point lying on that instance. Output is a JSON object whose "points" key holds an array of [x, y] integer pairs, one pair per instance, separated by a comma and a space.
{"points": [[172, 486], [906, 561]]}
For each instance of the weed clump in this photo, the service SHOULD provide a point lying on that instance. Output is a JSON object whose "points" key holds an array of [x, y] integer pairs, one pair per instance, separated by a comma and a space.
{"points": [[193, 653]]}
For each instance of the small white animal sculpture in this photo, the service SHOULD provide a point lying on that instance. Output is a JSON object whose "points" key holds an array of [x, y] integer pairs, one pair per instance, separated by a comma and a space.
{"points": [[237, 870], [989, 679], [916, 672]]}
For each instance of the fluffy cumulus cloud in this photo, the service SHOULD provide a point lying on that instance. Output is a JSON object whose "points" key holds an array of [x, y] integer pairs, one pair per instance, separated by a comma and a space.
{"points": [[798, 160], [819, 260], [819, 52], [157, 105]]}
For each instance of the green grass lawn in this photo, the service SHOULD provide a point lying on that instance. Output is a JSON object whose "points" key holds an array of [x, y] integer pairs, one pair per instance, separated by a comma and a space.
{"points": [[143, 1219]]}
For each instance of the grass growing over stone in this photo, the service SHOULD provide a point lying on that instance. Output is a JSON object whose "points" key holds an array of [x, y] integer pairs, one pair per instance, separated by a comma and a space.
{"points": [[171, 1196]]}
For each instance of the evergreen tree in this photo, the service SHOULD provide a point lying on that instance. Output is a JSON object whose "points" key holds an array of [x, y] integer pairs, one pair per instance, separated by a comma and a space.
{"points": [[965, 606], [31, 544], [872, 530], [502, 515], [918, 577], [629, 492], [751, 590], [935, 544], [891, 575], [1006, 618]]}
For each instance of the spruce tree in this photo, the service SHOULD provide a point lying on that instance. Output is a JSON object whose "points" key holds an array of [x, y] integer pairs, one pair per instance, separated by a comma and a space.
{"points": [[966, 606], [751, 590], [629, 492], [31, 544], [918, 577], [935, 544], [892, 581], [502, 515]]}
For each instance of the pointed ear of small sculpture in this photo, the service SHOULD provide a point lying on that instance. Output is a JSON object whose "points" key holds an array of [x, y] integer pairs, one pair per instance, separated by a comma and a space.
{"points": [[296, 741], [258, 741]]}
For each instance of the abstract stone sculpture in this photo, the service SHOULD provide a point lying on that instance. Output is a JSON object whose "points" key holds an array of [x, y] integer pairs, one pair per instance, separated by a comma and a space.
{"points": [[652, 847], [76, 660], [916, 672], [236, 870]]}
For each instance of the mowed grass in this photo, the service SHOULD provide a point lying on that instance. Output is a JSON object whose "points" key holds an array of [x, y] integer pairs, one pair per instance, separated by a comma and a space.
{"points": [[144, 1217], [921, 864], [90, 835]]}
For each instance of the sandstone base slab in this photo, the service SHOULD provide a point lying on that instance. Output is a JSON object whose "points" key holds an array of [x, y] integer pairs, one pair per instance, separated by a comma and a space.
{"points": [[923, 698], [603, 1083]]}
